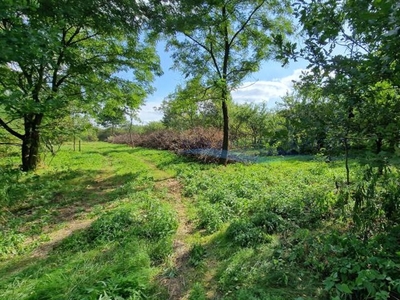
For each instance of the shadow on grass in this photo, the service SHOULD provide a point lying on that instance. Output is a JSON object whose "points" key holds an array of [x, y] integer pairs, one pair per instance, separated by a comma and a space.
{"points": [[112, 270], [234, 272], [161, 161], [116, 150], [57, 197]]}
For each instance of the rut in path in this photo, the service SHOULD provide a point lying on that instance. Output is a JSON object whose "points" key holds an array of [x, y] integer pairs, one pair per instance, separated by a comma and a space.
{"points": [[176, 282]]}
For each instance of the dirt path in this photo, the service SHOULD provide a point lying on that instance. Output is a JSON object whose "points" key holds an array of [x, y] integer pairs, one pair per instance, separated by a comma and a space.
{"points": [[177, 282], [57, 236]]}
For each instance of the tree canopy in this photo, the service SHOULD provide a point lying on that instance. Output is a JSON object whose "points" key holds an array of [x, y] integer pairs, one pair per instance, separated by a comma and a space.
{"points": [[60, 55], [223, 42]]}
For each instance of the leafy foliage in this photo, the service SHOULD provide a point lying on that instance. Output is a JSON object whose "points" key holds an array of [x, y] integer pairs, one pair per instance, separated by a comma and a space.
{"points": [[58, 55], [219, 43]]}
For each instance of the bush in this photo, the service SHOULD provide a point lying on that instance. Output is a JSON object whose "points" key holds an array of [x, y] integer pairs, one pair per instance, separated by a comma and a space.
{"points": [[349, 267], [270, 222]]}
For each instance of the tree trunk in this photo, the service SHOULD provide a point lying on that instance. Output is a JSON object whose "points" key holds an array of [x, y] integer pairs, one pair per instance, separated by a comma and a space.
{"points": [[224, 93], [346, 162], [379, 144], [225, 141], [31, 142]]}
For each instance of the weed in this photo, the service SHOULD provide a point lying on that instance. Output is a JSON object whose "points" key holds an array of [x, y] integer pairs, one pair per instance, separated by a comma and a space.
{"points": [[196, 255], [246, 234], [210, 217], [283, 228], [197, 292]]}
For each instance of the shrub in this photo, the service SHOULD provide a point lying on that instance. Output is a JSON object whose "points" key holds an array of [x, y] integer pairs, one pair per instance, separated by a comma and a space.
{"points": [[349, 267], [270, 222]]}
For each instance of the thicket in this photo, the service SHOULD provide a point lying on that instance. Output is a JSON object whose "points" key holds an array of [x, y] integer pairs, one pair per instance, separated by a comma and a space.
{"points": [[288, 227]]}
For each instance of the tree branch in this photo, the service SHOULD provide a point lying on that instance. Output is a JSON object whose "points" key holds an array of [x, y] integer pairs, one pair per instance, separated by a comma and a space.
{"points": [[245, 23], [213, 57], [69, 42], [39, 84], [210, 51], [10, 130], [83, 39]]}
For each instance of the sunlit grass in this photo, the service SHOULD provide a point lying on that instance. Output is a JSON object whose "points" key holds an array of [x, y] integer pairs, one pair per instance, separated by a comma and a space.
{"points": [[101, 182], [260, 230]]}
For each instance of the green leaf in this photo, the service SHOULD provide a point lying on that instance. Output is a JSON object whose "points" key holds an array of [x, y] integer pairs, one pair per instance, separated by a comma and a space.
{"points": [[329, 283], [344, 288]]}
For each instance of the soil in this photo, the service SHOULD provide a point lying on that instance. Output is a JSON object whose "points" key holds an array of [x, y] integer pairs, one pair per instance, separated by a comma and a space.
{"points": [[57, 236], [177, 282]]}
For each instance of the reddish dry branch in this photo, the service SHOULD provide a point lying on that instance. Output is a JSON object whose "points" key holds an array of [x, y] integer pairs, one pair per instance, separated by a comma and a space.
{"points": [[196, 138]]}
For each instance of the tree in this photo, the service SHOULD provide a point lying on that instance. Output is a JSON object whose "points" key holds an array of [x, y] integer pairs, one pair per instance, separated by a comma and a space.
{"points": [[191, 106], [251, 120], [111, 115], [223, 42], [351, 49], [60, 55], [314, 121]]}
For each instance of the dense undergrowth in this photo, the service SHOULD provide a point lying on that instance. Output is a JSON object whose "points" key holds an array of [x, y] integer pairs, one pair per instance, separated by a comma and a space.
{"points": [[292, 227], [285, 228]]}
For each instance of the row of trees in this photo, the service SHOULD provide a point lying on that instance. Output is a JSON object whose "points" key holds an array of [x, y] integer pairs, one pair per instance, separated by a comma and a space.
{"points": [[349, 96], [62, 59], [307, 121]]}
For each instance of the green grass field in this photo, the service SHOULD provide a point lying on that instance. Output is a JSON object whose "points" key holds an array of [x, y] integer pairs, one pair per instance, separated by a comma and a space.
{"points": [[113, 222]]}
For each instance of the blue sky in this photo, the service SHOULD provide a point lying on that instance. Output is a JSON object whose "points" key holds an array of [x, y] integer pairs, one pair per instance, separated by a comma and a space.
{"points": [[268, 85]]}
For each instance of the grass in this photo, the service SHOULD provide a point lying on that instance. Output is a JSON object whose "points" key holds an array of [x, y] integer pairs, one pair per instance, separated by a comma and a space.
{"points": [[118, 253], [103, 224]]}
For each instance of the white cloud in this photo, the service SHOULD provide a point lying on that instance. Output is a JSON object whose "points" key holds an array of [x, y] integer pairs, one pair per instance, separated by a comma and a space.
{"points": [[265, 91], [148, 113], [256, 92]]}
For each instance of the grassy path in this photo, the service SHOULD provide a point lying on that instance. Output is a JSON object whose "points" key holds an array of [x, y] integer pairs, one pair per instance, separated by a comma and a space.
{"points": [[56, 211], [113, 222], [176, 282], [178, 269]]}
